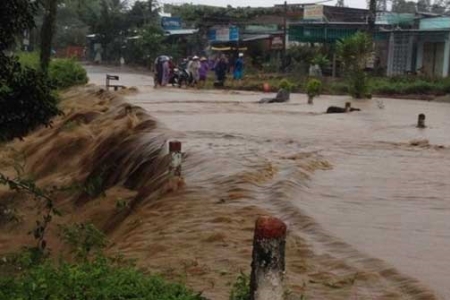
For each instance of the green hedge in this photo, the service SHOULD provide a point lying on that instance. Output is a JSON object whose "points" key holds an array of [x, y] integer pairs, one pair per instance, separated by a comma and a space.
{"points": [[408, 86], [62, 72], [29, 59], [97, 280]]}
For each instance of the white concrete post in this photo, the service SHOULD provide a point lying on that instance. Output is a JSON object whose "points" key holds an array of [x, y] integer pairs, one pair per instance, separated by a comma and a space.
{"points": [[409, 59], [391, 49], [176, 158], [421, 121], [419, 59], [266, 282], [445, 64]]}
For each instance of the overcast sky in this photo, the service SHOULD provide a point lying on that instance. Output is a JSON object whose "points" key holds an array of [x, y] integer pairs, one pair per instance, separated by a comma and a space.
{"points": [[350, 3]]}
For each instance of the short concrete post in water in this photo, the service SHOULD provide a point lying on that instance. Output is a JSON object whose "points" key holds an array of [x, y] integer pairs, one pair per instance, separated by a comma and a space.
{"points": [[175, 158], [421, 121], [348, 106], [269, 243]]}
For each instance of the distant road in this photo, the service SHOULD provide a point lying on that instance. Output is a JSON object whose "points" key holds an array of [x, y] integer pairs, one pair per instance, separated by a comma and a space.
{"points": [[127, 76]]}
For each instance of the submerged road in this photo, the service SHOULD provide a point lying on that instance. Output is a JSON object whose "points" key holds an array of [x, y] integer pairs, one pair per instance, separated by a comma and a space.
{"points": [[383, 196]]}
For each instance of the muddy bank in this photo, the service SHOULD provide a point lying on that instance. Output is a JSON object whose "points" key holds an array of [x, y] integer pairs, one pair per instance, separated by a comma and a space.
{"points": [[198, 231]]}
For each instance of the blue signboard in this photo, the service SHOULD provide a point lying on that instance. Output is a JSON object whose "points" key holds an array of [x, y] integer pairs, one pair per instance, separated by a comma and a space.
{"points": [[170, 23], [223, 34]]}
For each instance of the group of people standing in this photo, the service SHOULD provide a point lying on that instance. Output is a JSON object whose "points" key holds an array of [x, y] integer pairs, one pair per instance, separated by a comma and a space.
{"points": [[223, 66], [196, 69]]}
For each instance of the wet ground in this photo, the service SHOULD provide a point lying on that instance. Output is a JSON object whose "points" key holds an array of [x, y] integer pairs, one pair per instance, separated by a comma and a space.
{"points": [[379, 192]]}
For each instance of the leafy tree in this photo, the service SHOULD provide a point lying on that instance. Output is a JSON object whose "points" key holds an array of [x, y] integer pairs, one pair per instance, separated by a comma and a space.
{"points": [[110, 25], [403, 6], [354, 52], [71, 28], [340, 3], [143, 13], [26, 100], [16, 16], [439, 6]]}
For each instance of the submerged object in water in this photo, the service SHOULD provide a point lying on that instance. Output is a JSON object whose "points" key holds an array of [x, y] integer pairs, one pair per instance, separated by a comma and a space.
{"points": [[282, 96], [336, 109]]}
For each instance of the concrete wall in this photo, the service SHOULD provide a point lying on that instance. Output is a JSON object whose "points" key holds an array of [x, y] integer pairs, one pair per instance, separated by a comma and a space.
{"points": [[435, 58]]}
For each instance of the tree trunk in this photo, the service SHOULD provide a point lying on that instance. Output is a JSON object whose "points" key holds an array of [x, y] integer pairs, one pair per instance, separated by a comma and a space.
{"points": [[47, 32]]}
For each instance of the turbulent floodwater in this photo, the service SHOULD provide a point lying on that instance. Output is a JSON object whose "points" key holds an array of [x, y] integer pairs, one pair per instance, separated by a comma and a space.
{"points": [[375, 191]]}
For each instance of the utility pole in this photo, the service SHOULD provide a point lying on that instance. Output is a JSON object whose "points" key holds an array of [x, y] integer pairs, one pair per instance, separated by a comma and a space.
{"points": [[283, 59], [372, 17]]}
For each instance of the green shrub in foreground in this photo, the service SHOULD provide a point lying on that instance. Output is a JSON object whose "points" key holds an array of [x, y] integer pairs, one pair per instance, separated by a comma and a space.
{"points": [[96, 280], [64, 73]]}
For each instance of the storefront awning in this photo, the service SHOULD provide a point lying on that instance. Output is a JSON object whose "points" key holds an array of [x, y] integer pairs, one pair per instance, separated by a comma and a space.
{"points": [[228, 48], [180, 32], [254, 37]]}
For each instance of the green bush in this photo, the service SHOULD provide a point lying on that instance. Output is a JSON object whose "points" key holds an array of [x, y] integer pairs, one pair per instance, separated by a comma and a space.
{"points": [[410, 86], [337, 88], [26, 101], [100, 279], [421, 87], [29, 59], [241, 288], [313, 88], [83, 239], [286, 85], [359, 85], [354, 51], [321, 60], [65, 73], [386, 87], [445, 85]]}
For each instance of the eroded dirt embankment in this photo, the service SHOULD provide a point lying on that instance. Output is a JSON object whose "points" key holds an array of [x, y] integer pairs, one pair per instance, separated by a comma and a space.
{"points": [[199, 230]]}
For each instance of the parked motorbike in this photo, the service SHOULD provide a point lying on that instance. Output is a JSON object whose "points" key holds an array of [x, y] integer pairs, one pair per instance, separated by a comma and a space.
{"points": [[180, 77]]}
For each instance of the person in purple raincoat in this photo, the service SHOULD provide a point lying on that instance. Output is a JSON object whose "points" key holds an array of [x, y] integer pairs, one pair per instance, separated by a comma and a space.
{"points": [[203, 71]]}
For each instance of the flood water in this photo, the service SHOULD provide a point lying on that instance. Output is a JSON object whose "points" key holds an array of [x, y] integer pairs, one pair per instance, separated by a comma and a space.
{"points": [[381, 195]]}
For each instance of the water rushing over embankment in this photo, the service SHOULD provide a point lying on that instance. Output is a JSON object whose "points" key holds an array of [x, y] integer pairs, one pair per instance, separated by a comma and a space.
{"points": [[241, 160]]}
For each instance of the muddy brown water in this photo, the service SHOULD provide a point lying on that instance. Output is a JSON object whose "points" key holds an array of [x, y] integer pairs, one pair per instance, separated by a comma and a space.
{"points": [[374, 192]]}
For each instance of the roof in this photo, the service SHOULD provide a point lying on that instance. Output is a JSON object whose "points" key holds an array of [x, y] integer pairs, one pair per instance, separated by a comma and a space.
{"points": [[254, 37], [328, 24]]}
